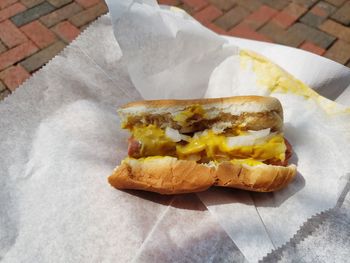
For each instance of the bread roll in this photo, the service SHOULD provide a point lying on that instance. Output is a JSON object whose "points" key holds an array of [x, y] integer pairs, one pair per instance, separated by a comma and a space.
{"points": [[169, 175]]}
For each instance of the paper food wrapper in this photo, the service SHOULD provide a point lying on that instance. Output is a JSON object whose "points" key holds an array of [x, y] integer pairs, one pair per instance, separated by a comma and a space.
{"points": [[60, 139]]}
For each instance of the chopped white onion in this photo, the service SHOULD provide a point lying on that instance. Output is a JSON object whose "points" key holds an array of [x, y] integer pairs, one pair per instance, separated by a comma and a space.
{"points": [[173, 135], [249, 139], [219, 127]]}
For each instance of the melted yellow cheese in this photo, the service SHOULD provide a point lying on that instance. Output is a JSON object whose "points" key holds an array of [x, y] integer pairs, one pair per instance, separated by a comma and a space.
{"points": [[250, 162], [155, 142], [215, 144], [189, 112]]}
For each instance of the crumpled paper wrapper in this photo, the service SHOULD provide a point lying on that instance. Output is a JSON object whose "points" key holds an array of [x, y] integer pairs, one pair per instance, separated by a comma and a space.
{"points": [[60, 139], [167, 41]]}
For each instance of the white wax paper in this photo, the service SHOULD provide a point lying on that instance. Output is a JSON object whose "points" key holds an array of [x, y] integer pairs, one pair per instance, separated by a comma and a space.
{"points": [[163, 63], [60, 139]]}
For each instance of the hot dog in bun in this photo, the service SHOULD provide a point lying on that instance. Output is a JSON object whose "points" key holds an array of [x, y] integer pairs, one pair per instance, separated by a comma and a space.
{"points": [[182, 146]]}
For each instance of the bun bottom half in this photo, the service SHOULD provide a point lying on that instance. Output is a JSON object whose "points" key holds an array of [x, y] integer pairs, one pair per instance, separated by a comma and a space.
{"points": [[169, 175]]}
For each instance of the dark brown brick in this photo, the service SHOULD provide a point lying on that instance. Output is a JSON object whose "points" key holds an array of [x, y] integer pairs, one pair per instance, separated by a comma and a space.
{"points": [[4, 94], [348, 64], [276, 4], [250, 5], [312, 19], [2, 47], [335, 29], [318, 14], [313, 35], [224, 5], [342, 15], [305, 3], [31, 3], [32, 14], [60, 14], [279, 35], [186, 8], [2, 86], [340, 52], [59, 3], [88, 15], [336, 2], [231, 18], [196, 5], [323, 9], [39, 59]]}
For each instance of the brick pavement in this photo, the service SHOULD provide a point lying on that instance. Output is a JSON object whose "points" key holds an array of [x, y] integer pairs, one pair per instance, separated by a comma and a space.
{"points": [[34, 31]]}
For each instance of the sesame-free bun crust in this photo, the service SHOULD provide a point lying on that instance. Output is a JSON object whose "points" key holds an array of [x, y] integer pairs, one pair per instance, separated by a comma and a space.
{"points": [[164, 175], [169, 175], [234, 105]]}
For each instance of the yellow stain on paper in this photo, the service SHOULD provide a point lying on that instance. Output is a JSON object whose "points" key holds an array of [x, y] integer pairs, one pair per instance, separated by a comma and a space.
{"points": [[275, 79]]}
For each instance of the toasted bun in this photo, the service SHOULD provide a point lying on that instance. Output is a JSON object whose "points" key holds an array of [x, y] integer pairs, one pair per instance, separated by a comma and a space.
{"points": [[169, 175], [259, 112]]}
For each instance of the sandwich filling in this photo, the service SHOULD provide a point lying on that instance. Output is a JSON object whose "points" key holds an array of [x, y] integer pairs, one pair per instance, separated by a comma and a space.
{"points": [[250, 138]]}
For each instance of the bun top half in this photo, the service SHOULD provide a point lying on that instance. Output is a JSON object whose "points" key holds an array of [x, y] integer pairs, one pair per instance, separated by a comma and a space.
{"points": [[251, 109]]}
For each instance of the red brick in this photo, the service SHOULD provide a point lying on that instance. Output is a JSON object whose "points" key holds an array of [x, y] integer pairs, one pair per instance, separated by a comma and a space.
{"points": [[87, 3], [339, 51], [39, 34], [66, 31], [10, 35], [186, 8], [5, 3], [289, 15], [284, 20], [88, 15], [16, 54], [11, 11], [308, 46], [243, 30], [208, 14], [260, 16], [336, 29], [196, 4], [14, 76], [169, 2]]}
